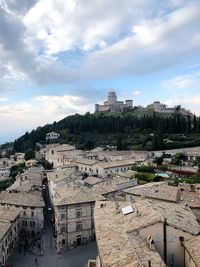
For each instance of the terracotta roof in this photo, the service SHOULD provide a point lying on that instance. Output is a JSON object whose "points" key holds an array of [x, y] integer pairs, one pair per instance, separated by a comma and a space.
{"points": [[91, 180], [117, 163], [116, 248], [158, 190], [6, 219], [67, 195], [21, 199], [193, 247], [117, 235], [190, 196]]}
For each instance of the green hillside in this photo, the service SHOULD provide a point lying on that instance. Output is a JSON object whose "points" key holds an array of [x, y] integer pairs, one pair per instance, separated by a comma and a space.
{"points": [[127, 130]]}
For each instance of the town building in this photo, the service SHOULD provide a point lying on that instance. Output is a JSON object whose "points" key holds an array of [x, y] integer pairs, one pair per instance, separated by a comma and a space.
{"points": [[30, 205], [144, 233], [34, 175], [4, 173], [52, 136], [59, 155], [114, 155], [112, 105], [59, 178], [186, 194], [111, 187], [73, 210], [9, 232], [102, 169]]}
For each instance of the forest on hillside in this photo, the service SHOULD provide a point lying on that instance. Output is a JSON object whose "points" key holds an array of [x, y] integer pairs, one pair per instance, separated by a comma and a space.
{"points": [[124, 130]]}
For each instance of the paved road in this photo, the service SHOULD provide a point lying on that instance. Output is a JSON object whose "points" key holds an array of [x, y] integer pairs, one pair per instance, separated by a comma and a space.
{"points": [[77, 257], [74, 258]]}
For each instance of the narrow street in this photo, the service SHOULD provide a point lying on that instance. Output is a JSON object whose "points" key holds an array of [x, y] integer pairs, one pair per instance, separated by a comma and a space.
{"points": [[74, 258]]}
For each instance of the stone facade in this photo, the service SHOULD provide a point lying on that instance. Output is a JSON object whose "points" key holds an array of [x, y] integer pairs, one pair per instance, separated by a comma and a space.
{"points": [[73, 212], [74, 225], [157, 106], [31, 208], [9, 233], [112, 105]]}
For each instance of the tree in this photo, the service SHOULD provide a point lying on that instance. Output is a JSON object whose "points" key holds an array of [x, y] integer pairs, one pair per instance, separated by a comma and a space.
{"points": [[47, 165], [29, 154], [158, 161], [119, 142], [15, 169]]}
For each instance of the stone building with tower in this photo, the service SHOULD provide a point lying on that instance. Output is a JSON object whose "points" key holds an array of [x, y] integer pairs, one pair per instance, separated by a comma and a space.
{"points": [[112, 105]]}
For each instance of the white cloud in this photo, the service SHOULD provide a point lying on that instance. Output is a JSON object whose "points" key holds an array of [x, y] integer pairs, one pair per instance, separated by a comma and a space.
{"points": [[112, 38], [66, 25], [187, 81], [137, 93], [187, 101], [40, 110], [154, 45], [2, 99]]}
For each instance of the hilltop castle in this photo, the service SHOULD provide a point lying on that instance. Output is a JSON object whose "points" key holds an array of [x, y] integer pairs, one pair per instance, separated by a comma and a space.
{"points": [[112, 105]]}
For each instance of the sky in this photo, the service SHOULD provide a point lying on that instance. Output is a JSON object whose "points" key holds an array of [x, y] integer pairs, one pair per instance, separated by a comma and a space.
{"points": [[60, 57]]}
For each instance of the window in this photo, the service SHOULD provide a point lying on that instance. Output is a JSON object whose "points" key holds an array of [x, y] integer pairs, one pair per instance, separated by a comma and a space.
{"points": [[24, 223], [63, 241], [171, 256], [62, 216], [32, 208], [62, 230], [52, 152], [32, 213], [78, 214], [79, 227], [32, 224], [24, 213], [171, 238]]}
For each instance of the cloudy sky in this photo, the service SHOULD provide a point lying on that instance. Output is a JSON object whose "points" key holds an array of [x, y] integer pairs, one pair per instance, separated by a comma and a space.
{"points": [[59, 57]]}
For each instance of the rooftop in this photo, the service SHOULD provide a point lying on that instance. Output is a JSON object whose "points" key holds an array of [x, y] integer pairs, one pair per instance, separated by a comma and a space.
{"points": [[6, 219], [4, 227], [109, 185], [59, 175], [21, 186], [117, 163], [8, 215], [118, 243], [190, 194], [21, 199], [159, 190], [115, 246], [67, 195], [127, 174], [89, 162], [193, 248], [91, 180]]}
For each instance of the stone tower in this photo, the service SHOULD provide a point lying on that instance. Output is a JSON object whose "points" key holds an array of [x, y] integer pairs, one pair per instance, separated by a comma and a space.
{"points": [[112, 97]]}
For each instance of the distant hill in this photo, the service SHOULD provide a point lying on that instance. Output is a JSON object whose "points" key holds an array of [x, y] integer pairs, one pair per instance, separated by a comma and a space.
{"points": [[126, 130]]}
